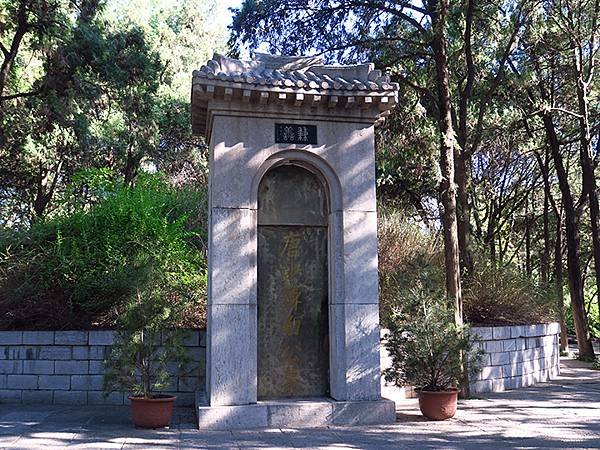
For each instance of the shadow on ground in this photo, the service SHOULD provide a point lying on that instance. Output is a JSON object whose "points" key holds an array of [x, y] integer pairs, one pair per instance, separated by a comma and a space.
{"points": [[564, 413]]}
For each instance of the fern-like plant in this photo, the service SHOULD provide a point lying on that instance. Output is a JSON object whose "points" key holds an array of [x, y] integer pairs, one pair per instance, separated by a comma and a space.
{"points": [[145, 349]]}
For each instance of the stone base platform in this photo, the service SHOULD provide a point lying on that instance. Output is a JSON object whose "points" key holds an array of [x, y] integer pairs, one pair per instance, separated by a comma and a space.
{"points": [[294, 413]]}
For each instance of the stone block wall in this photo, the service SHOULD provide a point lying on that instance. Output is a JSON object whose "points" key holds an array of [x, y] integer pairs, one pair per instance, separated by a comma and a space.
{"points": [[517, 356], [66, 367]]}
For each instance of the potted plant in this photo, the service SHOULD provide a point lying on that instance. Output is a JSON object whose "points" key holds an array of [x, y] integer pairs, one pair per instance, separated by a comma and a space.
{"points": [[140, 358], [431, 353]]}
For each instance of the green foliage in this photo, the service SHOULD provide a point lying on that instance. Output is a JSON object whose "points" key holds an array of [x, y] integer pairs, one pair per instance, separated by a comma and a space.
{"points": [[596, 364], [104, 84], [148, 343], [76, 270], [502, 296], [426, 347]]}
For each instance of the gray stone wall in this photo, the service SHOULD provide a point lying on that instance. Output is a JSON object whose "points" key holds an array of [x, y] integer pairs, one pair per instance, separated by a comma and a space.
{"points": [[517, 356], [66, 367]]}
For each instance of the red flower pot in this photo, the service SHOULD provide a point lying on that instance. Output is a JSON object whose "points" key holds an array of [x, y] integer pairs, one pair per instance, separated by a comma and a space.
{"points": [[153, 412], [438, 405]]}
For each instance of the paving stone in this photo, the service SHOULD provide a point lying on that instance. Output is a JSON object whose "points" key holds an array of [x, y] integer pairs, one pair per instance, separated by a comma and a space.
{"points": [[98, 398]]}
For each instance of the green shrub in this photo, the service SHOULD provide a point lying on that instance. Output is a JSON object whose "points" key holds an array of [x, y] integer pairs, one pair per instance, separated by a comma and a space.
{"points": [[501, 296], [408, 257], [78, 268], [411, 257], [426, 350], [146, 346]]}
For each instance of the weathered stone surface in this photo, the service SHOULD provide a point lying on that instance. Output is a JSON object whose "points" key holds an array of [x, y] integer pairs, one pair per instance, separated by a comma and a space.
{"points": [[362, 352], [37, 397], [484, 333], [232, 355], [89, 352], [11, 337], [10, 396], [55, 352], [298, 413], [55, 382], [38, 367], [86, 382], [233, 256], [38, 337], [293, 324], [231, 417], [71, 367], [360, 257], [22, 382], [501, 332], [96, 367], [528, 357], [11, 367], [71, 337], [101, 337], [364, 412]]}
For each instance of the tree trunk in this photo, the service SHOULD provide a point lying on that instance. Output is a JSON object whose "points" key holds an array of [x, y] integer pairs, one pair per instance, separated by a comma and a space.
{"points": [[558, 283], [447, 143], [545, 257], [462, 153], [584, 342]]}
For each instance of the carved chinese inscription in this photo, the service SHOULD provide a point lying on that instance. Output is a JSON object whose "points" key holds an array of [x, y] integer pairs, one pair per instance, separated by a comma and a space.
{"points": [[293, 359]]}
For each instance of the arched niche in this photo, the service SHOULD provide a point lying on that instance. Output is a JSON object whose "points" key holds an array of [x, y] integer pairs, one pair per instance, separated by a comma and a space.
{"points": [[293, 283]]}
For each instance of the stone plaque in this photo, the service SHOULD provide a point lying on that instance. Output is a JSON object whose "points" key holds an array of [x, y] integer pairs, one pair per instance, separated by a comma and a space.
{"points": [[293, 354], [290, 133]]}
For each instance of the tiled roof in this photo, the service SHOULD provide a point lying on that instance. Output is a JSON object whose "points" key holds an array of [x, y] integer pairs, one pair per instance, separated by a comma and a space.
{"points": [[273, 82], [300, 72]]}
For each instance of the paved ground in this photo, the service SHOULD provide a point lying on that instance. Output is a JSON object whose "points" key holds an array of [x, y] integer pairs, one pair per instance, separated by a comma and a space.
{"points": [[562, 414]]}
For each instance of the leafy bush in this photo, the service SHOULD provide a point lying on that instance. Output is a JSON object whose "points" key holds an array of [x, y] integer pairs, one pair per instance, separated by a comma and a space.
{"points": [[78, 269], [500, 296], [426, 350]]}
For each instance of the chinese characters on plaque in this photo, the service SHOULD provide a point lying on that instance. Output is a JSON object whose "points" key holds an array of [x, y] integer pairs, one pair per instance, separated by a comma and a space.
{"points": [[289, 133]]}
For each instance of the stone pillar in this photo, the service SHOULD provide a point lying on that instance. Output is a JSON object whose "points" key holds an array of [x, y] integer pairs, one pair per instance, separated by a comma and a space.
{"points": [[291, 110]]}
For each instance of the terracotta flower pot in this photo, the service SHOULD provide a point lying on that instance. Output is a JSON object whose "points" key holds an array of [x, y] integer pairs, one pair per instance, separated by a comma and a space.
{"points": [[438, 405], [152, 412]]}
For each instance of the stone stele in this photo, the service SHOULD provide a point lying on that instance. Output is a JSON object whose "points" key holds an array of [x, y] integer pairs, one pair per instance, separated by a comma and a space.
{"points": [[293, 318]]}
